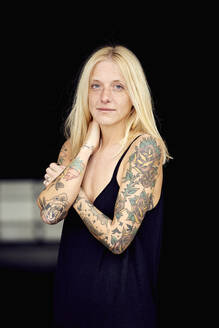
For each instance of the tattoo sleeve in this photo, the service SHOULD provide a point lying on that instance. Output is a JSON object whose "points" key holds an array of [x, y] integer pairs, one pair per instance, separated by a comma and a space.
{"points": [[56, 199], [64, 155], [134, 199]]}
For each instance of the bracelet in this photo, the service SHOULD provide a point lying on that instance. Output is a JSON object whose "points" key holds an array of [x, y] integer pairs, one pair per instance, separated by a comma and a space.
{"points": [[89, 147]]}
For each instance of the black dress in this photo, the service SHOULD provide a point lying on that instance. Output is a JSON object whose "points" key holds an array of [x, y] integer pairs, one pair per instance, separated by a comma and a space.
{"points": [[96, 288]]}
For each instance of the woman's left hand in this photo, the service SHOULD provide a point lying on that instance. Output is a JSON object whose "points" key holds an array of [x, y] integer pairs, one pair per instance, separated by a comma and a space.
{"points": [[52, 172]]}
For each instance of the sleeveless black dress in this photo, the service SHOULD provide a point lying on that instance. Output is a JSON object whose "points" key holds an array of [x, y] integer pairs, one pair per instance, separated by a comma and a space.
{"points": [[96, 288]]}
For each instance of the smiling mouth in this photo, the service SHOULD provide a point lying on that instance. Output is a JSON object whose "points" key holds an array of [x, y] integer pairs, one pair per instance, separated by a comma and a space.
{"points": [[106, 109]]}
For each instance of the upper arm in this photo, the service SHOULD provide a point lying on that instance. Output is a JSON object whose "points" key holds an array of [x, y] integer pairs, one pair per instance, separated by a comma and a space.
{"points": [[65, 155], [139, 190]]}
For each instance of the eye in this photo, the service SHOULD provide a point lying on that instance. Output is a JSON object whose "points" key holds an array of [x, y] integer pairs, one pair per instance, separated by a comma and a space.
{"points": [[118, 87], [95, 86]]}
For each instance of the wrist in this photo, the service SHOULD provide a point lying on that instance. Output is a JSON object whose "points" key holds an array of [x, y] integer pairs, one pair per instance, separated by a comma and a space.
{"points": [[88, 147]]}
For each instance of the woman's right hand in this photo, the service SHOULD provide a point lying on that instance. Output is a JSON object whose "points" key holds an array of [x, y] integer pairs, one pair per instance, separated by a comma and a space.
{"points": [[93, 135], [52, 172]]}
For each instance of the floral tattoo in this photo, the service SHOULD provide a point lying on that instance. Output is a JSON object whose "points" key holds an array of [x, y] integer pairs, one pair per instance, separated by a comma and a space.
{"points": [[135, 198], [54, 209]]}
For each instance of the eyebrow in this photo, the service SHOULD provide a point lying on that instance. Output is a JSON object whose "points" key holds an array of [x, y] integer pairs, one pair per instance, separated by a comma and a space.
{"points": [[112, 81]]}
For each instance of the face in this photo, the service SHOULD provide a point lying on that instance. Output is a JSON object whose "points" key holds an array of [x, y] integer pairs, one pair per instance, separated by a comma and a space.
{"points": [[109, 102]]}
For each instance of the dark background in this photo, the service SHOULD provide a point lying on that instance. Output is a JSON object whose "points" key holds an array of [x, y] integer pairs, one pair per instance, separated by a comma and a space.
{"points": [[42, 57]]}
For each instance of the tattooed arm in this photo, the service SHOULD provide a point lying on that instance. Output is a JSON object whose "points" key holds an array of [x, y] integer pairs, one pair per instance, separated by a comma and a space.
{"points": [[59, 195], [55, 169], [65, 156], [55, 201], [138, 193]]}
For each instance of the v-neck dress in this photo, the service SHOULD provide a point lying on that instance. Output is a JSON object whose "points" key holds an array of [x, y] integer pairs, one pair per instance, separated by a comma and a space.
{"points": [[98, 289]]}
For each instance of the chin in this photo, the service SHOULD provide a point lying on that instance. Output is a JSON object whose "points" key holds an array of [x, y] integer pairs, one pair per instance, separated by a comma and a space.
{"points": [[111, 123], [104, 120], [105, 123]]}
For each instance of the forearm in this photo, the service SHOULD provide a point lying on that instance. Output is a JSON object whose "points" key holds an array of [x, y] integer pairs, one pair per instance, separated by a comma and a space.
{"points": [[118, 233], [102, 228], [57, 198], [142, 176]]}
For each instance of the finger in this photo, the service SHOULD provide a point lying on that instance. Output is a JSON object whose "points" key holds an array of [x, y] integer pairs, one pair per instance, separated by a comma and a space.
{"points": [[47, 181], [48, 178], [51, 168], [51, 172], [54, 166]]}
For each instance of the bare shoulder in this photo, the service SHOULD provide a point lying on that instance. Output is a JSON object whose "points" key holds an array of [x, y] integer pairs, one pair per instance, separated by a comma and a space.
{"points": [[65, 155], [146, 148]]}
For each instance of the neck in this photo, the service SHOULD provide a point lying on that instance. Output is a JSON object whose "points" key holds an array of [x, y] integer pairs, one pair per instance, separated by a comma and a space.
{"points": [[111, 135]]}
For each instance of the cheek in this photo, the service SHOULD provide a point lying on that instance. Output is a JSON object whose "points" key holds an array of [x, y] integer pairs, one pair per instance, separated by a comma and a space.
{"points": [[91, 102], [125, 106]]}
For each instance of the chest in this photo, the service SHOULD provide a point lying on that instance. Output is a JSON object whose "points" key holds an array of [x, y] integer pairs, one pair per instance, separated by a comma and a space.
{"points": [[98, 174]]}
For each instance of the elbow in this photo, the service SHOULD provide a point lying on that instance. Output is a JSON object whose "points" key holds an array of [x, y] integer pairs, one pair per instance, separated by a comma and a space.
{"points": [[53, 215], [45, 218], [117, 252], [118, 249], [47, 214], [54, 210], [117, 246], [49, 218]]}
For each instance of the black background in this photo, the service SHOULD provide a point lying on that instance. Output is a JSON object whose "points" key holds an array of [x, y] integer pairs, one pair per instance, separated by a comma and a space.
{"points": [[42, 57], [43, 53]]}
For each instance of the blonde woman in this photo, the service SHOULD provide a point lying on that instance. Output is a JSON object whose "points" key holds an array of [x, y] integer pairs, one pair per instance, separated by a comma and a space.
{"points": [[107, 186]]}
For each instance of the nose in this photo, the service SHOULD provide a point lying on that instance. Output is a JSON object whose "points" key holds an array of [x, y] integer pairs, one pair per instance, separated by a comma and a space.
{"points": [[105, 96]]}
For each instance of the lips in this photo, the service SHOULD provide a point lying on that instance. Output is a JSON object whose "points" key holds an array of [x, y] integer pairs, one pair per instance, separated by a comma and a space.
{"points": [[106, 109]]}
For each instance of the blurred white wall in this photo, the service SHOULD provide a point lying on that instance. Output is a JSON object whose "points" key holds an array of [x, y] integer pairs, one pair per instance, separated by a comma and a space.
{"points": [[20, 216]]}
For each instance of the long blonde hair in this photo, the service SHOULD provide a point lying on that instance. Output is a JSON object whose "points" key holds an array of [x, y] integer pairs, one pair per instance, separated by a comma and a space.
{"points": [[141, 119]]}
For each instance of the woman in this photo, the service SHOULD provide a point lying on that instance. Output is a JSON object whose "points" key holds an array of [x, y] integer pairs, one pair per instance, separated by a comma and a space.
{"points": [[107, 186]]}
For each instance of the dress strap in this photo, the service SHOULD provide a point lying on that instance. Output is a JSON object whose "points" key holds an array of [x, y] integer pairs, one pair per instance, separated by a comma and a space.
{"points": [[121, 158]]}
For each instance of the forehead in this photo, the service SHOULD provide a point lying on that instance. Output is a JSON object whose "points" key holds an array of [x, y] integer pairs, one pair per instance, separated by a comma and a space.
{"points": [[106, 70]]}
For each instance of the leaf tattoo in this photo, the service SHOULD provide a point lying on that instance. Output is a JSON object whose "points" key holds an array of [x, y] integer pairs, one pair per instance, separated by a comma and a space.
{"points": [[135, 198]]}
